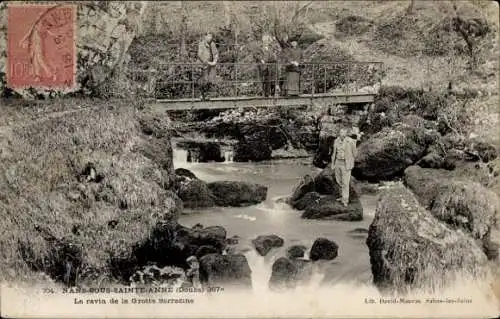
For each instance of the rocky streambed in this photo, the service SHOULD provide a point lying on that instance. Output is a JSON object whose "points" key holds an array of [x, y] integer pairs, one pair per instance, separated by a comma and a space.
{"points": [[428, 220], [438, 216]]}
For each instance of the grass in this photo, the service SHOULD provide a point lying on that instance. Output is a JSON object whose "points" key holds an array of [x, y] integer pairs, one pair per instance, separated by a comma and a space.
{"points": [[41, 167]]}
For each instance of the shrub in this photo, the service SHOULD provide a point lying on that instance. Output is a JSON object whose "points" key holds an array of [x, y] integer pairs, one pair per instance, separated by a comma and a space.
{"points": [[353, 25]]}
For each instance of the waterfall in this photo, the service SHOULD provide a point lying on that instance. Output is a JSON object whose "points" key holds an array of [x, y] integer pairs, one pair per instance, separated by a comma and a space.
{"points": [[179, 155], [228, 156], [261, 271]]}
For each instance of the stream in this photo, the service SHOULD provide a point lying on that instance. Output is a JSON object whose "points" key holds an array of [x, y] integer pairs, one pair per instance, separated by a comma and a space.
{"points": [[275, 217]]}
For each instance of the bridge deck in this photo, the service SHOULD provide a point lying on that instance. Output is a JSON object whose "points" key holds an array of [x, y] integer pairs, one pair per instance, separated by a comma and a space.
{"points": [[256, 101]]}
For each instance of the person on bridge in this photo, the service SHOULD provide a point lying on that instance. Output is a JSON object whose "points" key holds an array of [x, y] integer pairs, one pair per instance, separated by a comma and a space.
{"points": [[267, 58], [292, 81], [208, 55], [344, 153]]}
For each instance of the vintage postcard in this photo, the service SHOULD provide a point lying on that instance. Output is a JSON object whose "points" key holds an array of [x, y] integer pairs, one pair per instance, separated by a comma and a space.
{"points": [[249, 159]]}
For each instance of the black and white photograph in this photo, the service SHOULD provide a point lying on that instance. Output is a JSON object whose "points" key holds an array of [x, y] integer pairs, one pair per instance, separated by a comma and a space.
{"points": [[249, 159]]}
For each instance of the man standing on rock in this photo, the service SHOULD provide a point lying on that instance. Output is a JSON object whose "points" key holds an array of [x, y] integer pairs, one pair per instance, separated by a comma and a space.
{"points": [[208, 55], [344, 153]]}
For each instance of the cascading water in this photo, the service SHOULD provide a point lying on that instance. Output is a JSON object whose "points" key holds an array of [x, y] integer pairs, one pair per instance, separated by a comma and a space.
{"points": [[179, 156], [228, 156], [261, 271]]}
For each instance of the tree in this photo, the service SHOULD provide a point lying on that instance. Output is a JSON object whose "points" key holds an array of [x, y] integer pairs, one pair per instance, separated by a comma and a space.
{"points": [[473, 31], [281, 19]]}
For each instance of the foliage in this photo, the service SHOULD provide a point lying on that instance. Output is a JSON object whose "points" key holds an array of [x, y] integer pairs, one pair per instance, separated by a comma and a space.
{"points": [[424, 103], [353, 25], [446, 28]]}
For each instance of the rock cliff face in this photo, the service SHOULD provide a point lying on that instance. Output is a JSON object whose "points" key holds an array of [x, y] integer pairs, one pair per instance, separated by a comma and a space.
{"points": [[105, 31]]}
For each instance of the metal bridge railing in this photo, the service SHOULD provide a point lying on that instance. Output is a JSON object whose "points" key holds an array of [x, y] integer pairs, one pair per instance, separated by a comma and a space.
{"points": [[182, 80]]}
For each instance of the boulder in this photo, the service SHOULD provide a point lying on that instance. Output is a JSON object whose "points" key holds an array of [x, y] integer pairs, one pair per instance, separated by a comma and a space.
{"points": [[305, 185], [195, 193], [453, 141], [284, 274], [264, 243], [166, 276], [205, 250], [296, 251], [374, 123], [185, 173], [325, 184], [318, 197], [386, 154], [484, 151], [228, 271], [458, 199], [468, 206], [424, 182], [200, 241], [323, 249], [237, 193], [411, 249], [277, 137], [307, 200], [327, 207], [213, 231], [253, 144], [431, 160], [307, 137], [455, 155], [170, 244]]}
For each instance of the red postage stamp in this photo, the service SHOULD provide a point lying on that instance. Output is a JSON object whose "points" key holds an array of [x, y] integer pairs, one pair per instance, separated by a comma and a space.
{"points": [[41, 43]]}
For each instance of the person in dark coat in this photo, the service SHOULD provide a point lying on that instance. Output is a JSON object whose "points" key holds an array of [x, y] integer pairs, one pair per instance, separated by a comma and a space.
{"points": [[293, 59], [326, 127], [267, 59], [208, 55]]}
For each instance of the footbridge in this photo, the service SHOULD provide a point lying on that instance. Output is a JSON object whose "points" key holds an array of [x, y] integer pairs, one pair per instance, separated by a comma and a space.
{"points": [[176, 86]]}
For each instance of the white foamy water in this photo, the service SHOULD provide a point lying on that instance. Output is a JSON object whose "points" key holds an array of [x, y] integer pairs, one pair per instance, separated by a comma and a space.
{"points": [[228, 156], [243, 216]]}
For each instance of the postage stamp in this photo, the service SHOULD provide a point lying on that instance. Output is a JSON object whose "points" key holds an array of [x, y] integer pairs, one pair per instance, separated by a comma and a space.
{"points": [[41, 46]]}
